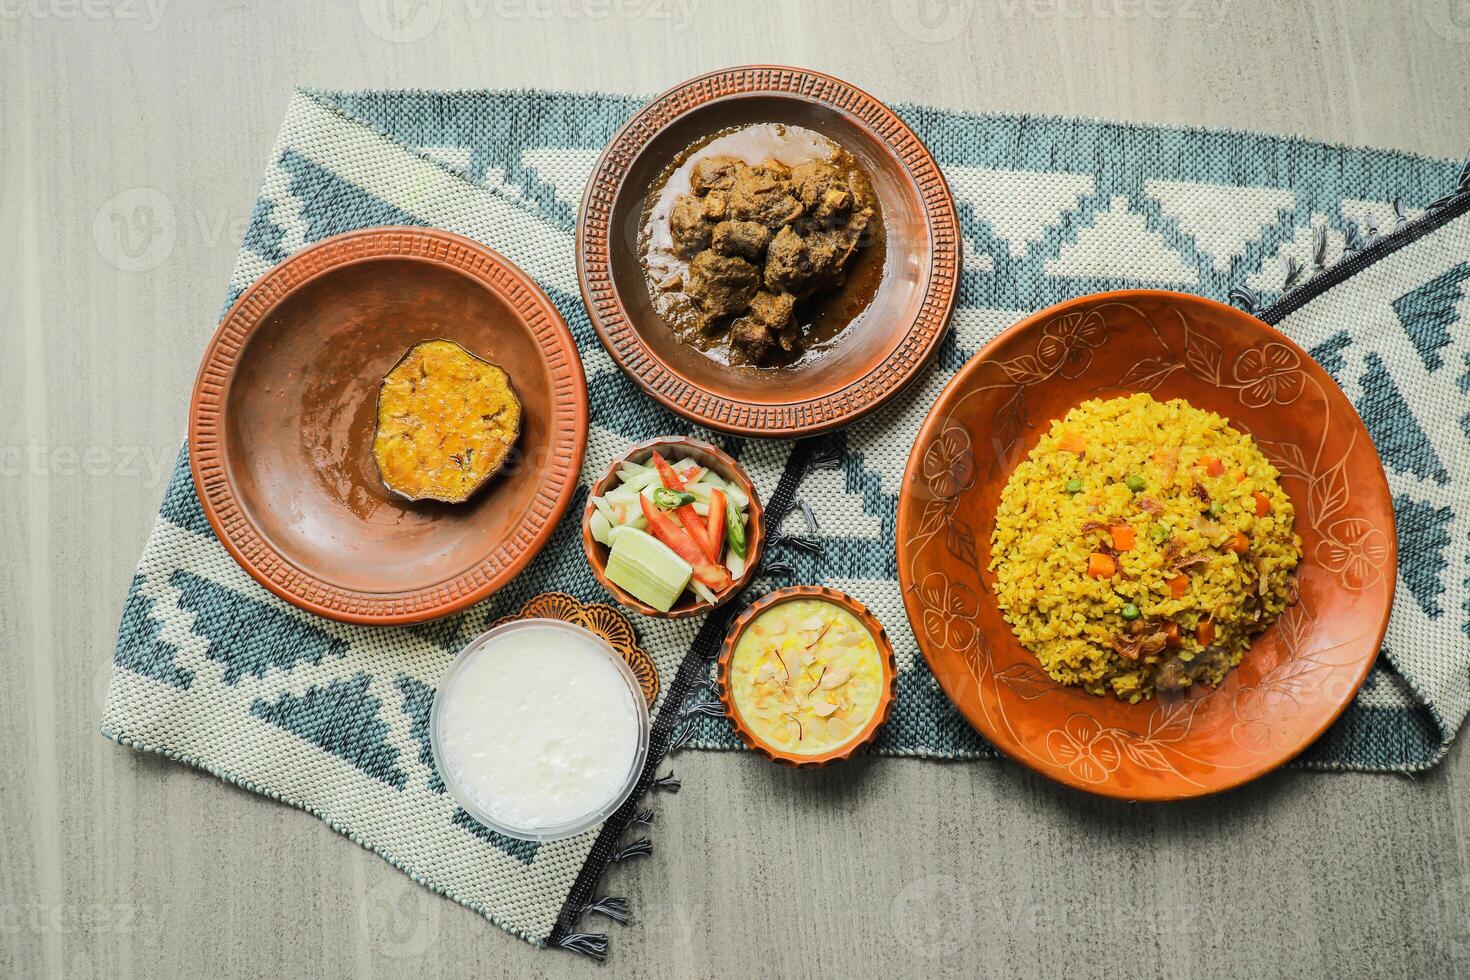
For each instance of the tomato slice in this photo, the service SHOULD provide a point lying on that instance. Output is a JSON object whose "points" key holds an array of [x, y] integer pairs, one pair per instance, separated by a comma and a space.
{"points": [[663, 527], [716, 527], [687, 515]]}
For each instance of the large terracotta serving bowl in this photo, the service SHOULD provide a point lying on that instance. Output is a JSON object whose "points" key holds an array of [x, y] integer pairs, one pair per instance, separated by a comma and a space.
{"points": [[877, 355], [285, 406], [1299, 675]]}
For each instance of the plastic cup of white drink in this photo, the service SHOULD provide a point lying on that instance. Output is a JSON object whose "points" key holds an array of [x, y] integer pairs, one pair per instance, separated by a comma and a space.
{"points": [[539, 729]]}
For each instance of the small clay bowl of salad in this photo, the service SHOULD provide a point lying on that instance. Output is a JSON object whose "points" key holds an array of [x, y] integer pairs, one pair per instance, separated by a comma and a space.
{"points": [[674, 528]]}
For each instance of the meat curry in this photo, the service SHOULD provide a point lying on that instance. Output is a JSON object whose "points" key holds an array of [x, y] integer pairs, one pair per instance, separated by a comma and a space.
{"points": [[762, 244]]}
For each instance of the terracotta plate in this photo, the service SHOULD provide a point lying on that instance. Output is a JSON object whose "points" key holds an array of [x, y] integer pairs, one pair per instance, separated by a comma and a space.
{"points": [[1299, 675], [877, 355], [281, 425]]}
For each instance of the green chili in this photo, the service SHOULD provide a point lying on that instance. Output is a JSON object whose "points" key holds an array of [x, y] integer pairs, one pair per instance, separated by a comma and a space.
{"points": [[734, 528], [666, 499]]}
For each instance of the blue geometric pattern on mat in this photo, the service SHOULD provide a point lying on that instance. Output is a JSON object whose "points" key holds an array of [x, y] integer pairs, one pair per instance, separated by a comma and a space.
{"points": [[523, 851], [1395, 431], [341, 718], [1329, 354], [418, 698], [250, 637], [1423, 540], [326, 197], [141, 648], [181, 505], [1428, 311]]}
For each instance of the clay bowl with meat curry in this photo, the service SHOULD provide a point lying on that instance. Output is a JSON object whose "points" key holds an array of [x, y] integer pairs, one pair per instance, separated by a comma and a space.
{"points": [[768, 251]]}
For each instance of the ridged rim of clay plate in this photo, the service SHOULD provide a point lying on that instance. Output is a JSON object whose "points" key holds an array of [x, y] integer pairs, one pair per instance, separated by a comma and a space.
{"points": [[568, 418], [1299, 675], [807, 416], [885, 657], [729, 469]]}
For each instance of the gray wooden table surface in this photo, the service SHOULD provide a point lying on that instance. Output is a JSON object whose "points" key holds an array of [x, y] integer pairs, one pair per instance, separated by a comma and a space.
{"points": [[119, 865]]}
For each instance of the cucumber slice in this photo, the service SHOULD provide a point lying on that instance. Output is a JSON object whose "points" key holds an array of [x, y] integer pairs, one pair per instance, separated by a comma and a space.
{"points": [[713, 479], [647, 568], [639, 480], [621, 495], [601, 528]]}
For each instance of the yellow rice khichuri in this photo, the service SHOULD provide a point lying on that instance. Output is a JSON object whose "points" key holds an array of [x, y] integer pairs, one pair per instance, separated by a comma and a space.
{"points": [[1141, 546]]}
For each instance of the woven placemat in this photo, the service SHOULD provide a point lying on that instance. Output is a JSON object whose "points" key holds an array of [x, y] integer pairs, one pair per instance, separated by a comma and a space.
{"points": [[212, 670]]}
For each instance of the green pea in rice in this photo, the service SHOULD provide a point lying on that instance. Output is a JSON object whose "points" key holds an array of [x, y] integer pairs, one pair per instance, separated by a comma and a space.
{"points": [[1184, 521]]}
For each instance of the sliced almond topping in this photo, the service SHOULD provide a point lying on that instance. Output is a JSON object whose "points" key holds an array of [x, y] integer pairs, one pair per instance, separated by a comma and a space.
{"points": [[823, 708], [836, 678]]}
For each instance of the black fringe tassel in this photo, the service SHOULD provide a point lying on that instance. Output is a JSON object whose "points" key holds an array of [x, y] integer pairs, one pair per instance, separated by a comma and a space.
{"points": [[828, 459], [642, 847], [710, 707], [668, 783], [681, 738], [612, 907], [593, 945]]}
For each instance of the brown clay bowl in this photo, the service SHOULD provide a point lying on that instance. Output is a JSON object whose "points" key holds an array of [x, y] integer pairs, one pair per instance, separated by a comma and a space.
{"points": [[678, 447], [1299, 675], [885, 655], [877, 355], [281, 426]]}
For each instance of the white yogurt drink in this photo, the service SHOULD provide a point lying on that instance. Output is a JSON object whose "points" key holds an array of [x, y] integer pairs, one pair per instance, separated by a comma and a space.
{"points": [[539, 729]]}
